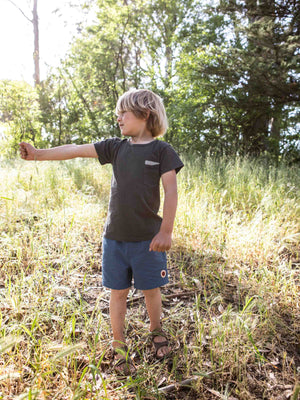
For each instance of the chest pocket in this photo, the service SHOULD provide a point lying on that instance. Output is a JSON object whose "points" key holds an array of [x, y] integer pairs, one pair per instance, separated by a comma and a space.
{"points": [[151, 173]]}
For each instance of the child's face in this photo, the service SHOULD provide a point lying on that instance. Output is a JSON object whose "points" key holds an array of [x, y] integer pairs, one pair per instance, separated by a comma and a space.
{"points": [[130, 125]]}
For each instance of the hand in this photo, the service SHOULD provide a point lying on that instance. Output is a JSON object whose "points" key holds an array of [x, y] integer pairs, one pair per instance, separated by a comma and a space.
{"points": [[27, 151], [161, 242]]}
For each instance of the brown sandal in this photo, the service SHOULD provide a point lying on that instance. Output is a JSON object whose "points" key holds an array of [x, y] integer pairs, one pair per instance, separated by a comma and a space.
{"points": [[159, 345], [123, 366]]}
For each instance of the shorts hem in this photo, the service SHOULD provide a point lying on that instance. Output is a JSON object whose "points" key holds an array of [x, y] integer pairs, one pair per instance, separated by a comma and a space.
{"points": [[114, 288], [154, 286]]}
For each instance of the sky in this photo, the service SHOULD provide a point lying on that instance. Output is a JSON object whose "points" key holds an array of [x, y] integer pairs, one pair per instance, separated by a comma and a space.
{"points": [[57, 26]]}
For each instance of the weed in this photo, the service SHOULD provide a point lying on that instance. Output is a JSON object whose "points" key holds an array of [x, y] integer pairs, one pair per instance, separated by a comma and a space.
{"points": [[231, 308]]}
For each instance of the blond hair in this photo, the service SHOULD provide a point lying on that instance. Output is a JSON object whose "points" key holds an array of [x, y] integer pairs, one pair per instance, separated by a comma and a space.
{"points": [[145, 104]]}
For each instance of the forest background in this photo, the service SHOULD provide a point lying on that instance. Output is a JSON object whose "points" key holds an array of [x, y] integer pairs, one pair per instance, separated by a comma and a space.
{"points": [[228, 72]]}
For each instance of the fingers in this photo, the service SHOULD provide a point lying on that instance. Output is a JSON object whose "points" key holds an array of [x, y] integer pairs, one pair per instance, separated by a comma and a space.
{"points": [[26, 151], [151, 246], [23, 150], [156, 245]]}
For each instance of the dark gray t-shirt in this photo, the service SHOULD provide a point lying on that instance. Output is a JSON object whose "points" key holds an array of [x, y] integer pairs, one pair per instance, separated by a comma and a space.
{"points": [[135, 195]]}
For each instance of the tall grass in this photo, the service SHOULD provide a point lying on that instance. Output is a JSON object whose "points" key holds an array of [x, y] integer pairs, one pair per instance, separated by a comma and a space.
{"points": [[232, 307]]}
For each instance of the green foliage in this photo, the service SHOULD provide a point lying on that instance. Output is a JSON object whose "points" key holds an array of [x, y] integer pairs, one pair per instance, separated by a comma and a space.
{"points": [[226, 71], [249, 74], [101, 66], [118, 53], [231, 308], [63, 114], [19, 114]]}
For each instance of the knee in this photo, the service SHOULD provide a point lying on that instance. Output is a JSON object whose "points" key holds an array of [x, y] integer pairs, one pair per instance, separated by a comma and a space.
{"points": [[151, 293], [119, 295]]}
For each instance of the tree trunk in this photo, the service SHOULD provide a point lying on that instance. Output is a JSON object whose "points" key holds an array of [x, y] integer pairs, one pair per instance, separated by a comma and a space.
{"points": [[275, 131], [36, 54], [255, 132]]}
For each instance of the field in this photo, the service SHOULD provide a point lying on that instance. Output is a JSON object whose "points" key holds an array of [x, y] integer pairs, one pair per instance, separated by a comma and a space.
{"points": [[231, 308]]}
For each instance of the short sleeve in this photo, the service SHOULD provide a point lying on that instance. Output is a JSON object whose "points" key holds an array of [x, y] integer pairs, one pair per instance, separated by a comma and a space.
{"points": [[169, 160], [106, 150]]}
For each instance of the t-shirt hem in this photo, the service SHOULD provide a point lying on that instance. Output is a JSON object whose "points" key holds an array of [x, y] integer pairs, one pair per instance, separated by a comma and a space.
{"points": [[128, 239], [177, 169]]}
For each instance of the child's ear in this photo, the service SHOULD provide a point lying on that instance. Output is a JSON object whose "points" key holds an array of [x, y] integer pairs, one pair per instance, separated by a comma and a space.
{"points": [[147, 115]]}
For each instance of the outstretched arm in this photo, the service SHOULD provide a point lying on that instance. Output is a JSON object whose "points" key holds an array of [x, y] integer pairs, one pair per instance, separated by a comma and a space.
{"points": [[163, 240], [66, 152]]}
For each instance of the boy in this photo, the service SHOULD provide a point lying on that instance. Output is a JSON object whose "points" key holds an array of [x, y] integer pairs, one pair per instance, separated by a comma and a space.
{"points": [[135, 238]]}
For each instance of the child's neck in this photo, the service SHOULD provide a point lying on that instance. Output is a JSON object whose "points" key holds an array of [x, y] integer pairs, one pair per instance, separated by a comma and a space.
{"points": [[142, 139]]}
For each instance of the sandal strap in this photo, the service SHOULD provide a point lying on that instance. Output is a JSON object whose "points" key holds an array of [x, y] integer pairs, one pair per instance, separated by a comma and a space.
{"points": [[159, 345], [158, 332], [120, 350], [121, 361]]}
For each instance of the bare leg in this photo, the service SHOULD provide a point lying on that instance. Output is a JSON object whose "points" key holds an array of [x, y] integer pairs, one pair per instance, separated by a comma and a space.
{"points": [[117, 311], [154, 308]]}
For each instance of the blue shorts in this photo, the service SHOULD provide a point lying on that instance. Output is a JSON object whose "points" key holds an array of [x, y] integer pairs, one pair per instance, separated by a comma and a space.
{"points": [[123, 261]]}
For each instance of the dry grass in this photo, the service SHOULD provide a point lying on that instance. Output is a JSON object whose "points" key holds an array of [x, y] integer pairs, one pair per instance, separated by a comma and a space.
{"points": [[232, 307]]}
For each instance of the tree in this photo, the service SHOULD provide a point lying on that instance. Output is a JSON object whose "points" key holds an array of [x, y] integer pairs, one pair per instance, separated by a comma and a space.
{"points": [[20, 114], [227, 72], [36, 52], [63, 114], [270, 64], [251, 77], [132, 44], [101, 65]]}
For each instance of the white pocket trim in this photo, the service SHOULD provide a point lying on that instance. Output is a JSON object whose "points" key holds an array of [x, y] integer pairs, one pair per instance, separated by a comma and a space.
{"points": [[147, 162]]}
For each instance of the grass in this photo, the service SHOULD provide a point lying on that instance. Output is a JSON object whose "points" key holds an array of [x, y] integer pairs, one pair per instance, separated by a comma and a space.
{"points": [[231, 308]]}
